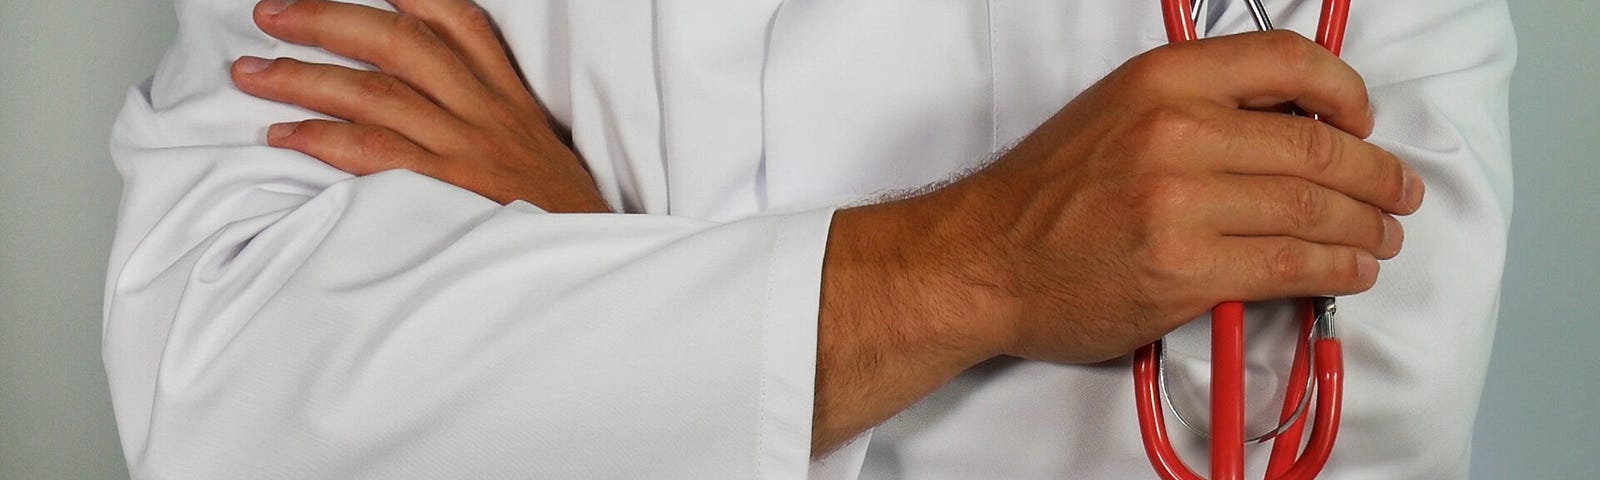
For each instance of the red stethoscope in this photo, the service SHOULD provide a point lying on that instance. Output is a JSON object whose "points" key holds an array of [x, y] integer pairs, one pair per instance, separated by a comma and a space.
{"points": [[1319, 351]]}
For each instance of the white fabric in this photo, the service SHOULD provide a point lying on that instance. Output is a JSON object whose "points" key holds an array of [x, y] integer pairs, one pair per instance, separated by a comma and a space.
{"points": [[270, 317]]}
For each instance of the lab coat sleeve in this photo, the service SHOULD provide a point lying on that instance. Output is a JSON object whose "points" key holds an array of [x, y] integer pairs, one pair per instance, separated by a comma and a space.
{"points": [[1417, 345], [268, 316]]}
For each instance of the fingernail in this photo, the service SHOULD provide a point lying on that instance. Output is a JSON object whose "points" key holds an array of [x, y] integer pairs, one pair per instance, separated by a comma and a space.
{"points": [[273, 7], [1366, 267], [278, 131], [253, 64], [1393, 236], [1414, 189]]}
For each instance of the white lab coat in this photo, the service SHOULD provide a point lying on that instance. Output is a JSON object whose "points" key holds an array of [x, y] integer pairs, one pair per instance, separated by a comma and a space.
{"points": [[268, 316]]}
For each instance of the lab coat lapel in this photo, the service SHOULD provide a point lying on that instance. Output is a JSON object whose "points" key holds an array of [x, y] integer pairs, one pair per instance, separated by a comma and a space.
{"points": [[710, 55]]}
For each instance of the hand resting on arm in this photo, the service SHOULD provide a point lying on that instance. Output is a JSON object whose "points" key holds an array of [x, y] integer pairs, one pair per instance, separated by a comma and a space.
{"points": [[447, 103]]}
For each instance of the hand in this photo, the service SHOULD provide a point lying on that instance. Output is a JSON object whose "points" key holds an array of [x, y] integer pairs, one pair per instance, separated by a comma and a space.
{"points": [[446, 101], [1154, 195], [1160, 192]]}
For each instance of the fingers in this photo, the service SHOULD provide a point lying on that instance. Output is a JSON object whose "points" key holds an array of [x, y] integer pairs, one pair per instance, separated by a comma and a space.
{"points": [[354, 148], [1264, 268], [355, 95], [399, 45], [1259, 70], [470, 32], [1264, 143], [1266, 69], [1286, 206]]}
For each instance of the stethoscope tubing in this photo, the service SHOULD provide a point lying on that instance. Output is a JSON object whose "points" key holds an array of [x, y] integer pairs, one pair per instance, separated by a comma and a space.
{"points": [[1228, 341]]}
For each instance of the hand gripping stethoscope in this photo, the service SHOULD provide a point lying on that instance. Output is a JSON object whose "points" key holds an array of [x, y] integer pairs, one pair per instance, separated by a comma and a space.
{"points": [[1318, 351]]}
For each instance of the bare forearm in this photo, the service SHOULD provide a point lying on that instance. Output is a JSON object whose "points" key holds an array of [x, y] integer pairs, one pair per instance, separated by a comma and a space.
{"points": [[897, 320], [1091, 237]]}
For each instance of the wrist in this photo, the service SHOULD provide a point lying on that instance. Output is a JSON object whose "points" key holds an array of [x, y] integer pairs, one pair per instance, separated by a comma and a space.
{"points": [[902, 314], [932, 290]]}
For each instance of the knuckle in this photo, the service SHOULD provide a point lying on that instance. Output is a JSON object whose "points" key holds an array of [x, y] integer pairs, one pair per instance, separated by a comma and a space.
{"points": [[1308, 205], [373, 143], [504, 116], [1359, 91], [1154, 68], [1342, 274], [308, 74], [412, 30], [1287, 264], [476, 21], [1166, 259], [309, 132], [1162, 126], [1293, 51], [1319, 148], [284, 66], [286, 71], [1212, 127], [310, 129]]}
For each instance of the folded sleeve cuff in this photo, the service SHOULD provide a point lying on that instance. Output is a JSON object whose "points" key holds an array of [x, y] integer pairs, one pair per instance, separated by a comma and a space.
{"points": [[789, 344]]}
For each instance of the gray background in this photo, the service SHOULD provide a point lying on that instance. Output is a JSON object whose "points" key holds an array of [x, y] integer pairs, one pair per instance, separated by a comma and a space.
{"points": [[64, 66]]}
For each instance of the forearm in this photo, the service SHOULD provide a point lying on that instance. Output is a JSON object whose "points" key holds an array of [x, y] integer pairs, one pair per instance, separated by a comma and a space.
{"points": [[898, 319]]}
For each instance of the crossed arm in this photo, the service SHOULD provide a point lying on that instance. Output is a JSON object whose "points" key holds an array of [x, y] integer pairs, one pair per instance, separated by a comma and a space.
{"points": [[1103, 230]]}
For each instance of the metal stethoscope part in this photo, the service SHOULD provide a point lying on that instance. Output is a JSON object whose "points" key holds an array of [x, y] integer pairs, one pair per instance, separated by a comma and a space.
{"points": [[1323, 328]]}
